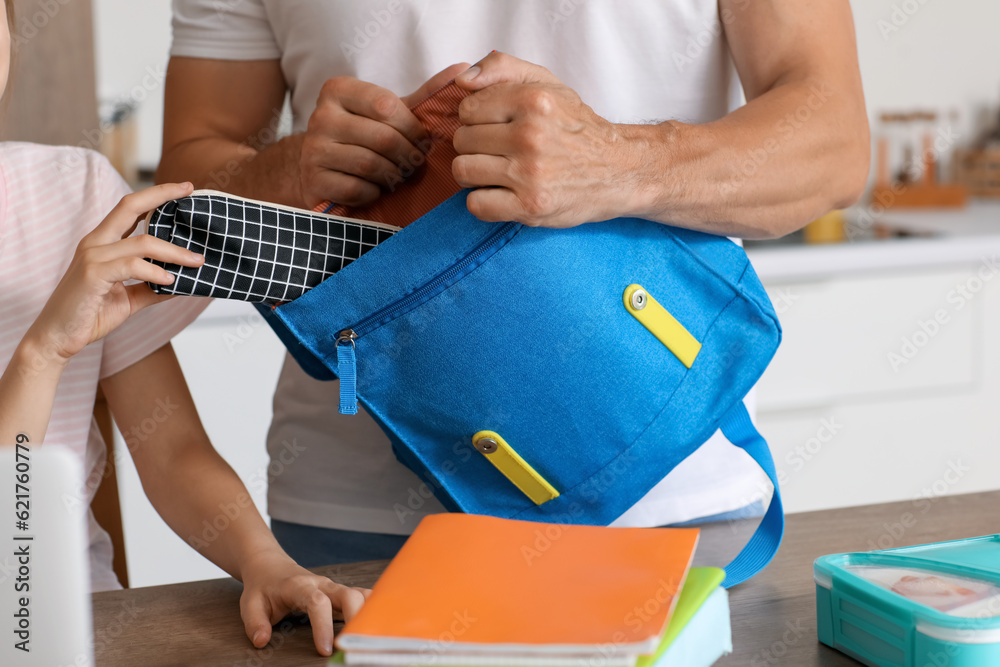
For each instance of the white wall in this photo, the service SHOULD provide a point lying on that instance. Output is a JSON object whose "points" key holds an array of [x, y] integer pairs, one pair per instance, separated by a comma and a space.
{"points": [[940, 54], [132, 42]]}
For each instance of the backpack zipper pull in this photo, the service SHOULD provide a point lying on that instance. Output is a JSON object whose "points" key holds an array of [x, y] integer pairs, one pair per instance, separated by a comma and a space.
{"points": [[347, 369]]}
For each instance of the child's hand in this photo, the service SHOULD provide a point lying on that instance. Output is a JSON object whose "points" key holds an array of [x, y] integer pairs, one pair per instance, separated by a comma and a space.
{"points": [[274, 585], [91, 299]]}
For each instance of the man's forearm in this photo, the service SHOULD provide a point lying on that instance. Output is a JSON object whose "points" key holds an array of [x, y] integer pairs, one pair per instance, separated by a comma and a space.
{"points": [[271, 174], [762, 171]]}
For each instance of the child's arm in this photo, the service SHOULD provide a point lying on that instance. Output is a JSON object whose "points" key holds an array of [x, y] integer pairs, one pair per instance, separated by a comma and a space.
{"points": [[89, 302], [192, 487]]}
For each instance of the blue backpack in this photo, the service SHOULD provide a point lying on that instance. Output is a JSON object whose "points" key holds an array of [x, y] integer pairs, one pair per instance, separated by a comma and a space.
{"points": [[546, 374]]}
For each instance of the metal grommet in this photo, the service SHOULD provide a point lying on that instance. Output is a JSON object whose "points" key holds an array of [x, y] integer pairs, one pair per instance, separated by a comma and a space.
{"points": [[347, 336], [486, 445], [639, 299]]}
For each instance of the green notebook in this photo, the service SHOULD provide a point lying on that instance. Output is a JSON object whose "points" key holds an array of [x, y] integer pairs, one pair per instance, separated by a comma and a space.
{"points": [[713, 630]]}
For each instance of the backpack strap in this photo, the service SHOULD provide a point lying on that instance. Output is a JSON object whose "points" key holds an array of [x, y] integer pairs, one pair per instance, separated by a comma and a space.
{"points": [[759, 551]]}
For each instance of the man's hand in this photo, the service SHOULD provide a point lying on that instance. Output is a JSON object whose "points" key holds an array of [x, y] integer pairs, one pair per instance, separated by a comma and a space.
{"points": [[539, 155], [273, 586], [362, 138]]}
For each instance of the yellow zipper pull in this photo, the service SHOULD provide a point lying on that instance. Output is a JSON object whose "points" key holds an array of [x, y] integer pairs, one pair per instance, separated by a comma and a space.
{"points": [[516, 469], [661, 324]]}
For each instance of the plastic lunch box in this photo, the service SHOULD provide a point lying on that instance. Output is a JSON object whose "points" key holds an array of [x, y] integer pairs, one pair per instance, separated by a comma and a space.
{"points": [[935, 605]]}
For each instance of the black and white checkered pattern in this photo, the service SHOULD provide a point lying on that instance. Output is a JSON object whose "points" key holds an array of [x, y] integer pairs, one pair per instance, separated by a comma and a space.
{"points": [[254, 251]]}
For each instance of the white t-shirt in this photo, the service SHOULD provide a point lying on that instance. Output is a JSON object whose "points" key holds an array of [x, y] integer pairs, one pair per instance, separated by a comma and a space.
{"points": [[632, 62], [50, 198]]}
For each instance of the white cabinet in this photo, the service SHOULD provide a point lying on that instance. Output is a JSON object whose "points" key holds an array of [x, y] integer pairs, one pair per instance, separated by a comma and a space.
{"points": [[865, 337], [886, 387]]}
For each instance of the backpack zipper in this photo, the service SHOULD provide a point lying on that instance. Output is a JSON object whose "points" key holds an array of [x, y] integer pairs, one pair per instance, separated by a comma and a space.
{"points": [[347, 369], [346, 338]]}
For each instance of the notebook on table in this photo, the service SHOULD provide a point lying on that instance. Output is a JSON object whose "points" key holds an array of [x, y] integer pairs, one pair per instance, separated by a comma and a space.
{"points": [[477, 590], [699, 632]]}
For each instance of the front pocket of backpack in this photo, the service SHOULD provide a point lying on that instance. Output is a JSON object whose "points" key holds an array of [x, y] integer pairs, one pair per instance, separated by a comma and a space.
{"points": [[538, 346]]}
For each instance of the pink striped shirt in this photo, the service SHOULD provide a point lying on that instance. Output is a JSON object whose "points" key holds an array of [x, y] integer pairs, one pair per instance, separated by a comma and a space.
{"points": [[50, 197]]}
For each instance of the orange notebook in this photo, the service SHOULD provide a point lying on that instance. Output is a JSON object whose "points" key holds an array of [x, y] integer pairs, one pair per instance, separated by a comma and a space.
{"points": [[479, 588]]}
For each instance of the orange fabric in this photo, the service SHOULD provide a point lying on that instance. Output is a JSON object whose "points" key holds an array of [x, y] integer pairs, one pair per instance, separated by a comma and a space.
{"points": [[431, 183], [528, 583]]}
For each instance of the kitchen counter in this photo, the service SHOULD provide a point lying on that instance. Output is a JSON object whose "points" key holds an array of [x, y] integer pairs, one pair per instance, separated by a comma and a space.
{"points": [[933, 238]]}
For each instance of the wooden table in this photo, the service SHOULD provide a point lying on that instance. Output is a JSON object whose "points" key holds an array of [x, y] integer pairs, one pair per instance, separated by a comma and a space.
{"points": [[774, 615]]}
